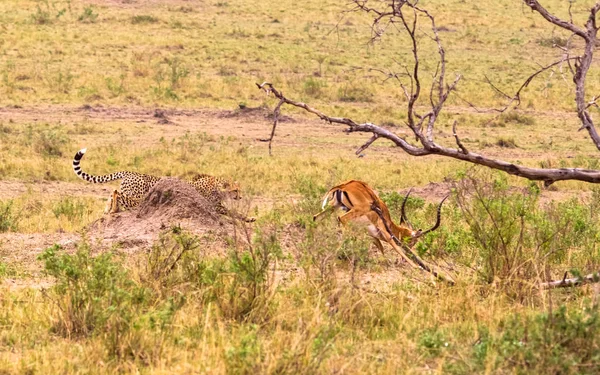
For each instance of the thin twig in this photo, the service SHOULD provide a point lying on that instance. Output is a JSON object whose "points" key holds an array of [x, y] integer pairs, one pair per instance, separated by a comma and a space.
{"points": [[458, 142]]}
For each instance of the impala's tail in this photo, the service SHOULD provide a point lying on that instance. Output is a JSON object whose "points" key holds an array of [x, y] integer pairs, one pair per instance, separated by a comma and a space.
{"points": [[89, 177]]}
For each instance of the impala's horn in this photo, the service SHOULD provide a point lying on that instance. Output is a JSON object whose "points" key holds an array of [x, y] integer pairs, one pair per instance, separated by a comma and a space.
{"points": [[438, 221], [403, 218]]}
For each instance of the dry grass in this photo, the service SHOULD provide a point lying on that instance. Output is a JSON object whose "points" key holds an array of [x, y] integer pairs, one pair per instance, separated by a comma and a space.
{"points": [[90, 74]]}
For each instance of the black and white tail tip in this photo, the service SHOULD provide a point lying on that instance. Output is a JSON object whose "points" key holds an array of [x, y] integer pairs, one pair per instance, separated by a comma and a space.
{"points": [[77, 159]]}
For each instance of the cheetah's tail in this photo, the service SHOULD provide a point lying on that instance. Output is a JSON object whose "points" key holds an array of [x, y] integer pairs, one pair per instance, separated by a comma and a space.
{"points": [[91, 178]]}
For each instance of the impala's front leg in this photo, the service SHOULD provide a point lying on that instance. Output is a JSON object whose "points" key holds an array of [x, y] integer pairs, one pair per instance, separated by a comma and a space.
{"points": [[325, 211]]}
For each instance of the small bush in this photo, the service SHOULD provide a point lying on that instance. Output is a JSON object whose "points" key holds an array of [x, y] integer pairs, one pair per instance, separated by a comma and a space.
{"points": [[72, 209], [41, 17], [245, 356], [171, 261], [393, 200], [497, 221], [47, 142], [509, 118], [564, 341], [241, 286], [516, 241], [351, 93], [61, 81], [432, 341]]}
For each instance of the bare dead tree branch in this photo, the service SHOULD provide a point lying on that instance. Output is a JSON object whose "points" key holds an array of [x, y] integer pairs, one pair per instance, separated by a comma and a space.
{"points": [[582, 63], [406, 14], [367, 144], [535, 5], [517, 96], [276, 113], [462, 148]]}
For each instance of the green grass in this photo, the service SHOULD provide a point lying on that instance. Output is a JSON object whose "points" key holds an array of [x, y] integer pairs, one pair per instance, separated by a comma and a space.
{"points": [[309, 51]]}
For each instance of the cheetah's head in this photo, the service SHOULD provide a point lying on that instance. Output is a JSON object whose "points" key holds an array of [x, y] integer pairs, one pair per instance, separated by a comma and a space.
{"points": [[231, 190]]}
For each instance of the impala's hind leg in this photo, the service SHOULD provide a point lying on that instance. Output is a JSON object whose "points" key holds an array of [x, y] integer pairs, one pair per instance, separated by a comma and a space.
{"points": [[349, 216], [112, 205]]}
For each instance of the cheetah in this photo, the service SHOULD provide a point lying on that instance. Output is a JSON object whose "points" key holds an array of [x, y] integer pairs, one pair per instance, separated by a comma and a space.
{"points": [[135, 185]]}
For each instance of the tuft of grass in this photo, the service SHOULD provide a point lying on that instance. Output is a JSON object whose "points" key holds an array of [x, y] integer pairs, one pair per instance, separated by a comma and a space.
{"points": [[553, 41], [88, 15], [506, 142], [9, 220], [510, 119], [143, 19]]}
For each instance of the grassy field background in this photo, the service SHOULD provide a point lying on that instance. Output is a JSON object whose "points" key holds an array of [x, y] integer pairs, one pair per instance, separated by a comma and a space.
{"points": [[297, 297]]}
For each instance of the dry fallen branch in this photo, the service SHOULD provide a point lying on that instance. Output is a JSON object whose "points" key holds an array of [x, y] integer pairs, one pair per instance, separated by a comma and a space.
{"points": [[575, 281]]}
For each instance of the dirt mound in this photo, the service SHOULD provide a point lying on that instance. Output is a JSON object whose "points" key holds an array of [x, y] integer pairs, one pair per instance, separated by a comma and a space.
{"points": [[171, 202], [173, 199]]}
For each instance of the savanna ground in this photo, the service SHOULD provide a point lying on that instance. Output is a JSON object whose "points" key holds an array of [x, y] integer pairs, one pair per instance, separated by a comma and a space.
{"points": [[285, 295]]}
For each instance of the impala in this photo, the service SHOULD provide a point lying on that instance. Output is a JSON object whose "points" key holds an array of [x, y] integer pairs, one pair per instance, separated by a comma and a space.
{"points": [[362, 205]]}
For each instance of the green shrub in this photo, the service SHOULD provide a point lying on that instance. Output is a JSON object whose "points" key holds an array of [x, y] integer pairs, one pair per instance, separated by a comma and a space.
{"points": [[44, 10], [353, 93], [497, 219], [172, 260], [553, 41], [432, 341], [506, 142], [245, 356], [97, 296], [244, 291], [71, 208], [509, 118], [47, 142], [515, 239], [393, 200]]}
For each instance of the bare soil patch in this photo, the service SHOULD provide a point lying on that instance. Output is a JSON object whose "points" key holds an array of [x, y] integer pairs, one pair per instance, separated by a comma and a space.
{"points": [[10, 189]]}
